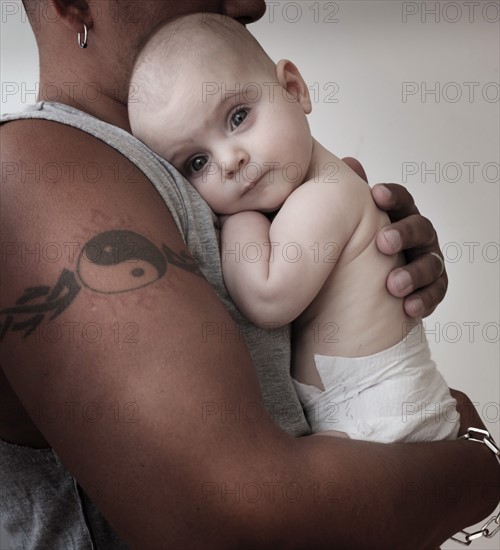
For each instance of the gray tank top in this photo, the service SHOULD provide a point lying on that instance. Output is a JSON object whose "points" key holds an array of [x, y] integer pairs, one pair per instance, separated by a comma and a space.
{"points": [[41, 504]]}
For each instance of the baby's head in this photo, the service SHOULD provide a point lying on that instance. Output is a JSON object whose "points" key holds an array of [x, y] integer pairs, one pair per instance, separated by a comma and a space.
{"points": [[213, 104]]}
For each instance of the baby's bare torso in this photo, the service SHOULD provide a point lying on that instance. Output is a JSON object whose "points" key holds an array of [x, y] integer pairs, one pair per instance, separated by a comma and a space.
{"points": [[353, 315]]}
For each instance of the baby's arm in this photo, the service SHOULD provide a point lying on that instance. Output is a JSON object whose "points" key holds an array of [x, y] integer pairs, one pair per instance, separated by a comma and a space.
{"points": [[247, 255], [274, 271]]}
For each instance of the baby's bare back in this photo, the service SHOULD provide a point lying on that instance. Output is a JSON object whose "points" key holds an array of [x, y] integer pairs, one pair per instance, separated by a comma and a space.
{"points": [[353, 315]]}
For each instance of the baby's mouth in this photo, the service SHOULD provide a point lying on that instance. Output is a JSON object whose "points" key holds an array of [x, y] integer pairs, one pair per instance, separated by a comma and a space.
{"points": [[252, 184], [249, 186]]}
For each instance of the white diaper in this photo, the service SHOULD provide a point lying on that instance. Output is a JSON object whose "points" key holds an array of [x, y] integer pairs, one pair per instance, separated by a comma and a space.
{"points": [[395, 395]]}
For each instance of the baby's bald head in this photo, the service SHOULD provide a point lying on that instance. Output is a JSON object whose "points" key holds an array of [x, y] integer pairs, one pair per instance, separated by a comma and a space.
{"points": [[206, 42]]}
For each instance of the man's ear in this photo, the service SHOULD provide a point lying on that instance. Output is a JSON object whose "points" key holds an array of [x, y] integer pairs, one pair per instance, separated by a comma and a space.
{"points": [[291, 80], [73, 13]]}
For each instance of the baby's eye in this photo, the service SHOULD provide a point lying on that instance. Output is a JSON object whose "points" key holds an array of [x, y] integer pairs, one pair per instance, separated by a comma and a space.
{"points": [[196, 163], [238, 117]]}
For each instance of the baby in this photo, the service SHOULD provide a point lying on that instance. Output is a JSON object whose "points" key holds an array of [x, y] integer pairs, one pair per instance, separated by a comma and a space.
{"points": [[234, 124]]}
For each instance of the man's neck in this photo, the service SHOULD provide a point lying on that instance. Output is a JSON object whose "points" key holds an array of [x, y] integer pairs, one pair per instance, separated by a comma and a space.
{"points": [[90, 98]]}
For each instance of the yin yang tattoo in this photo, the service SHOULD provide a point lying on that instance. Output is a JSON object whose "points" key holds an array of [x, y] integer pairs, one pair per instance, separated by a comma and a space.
{"points": [[120, 261], [112, 262]]}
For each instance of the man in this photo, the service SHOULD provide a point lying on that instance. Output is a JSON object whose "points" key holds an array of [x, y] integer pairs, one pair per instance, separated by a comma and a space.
{"points": [[163, 426]]}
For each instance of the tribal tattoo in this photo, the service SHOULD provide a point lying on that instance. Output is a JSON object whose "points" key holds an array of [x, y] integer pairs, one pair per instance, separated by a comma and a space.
{"points": [[112, 262]]}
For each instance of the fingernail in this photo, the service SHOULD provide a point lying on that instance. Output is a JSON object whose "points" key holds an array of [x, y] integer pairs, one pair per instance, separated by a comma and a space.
{"points": [[403, 282], [384, 190], [393, 239], [416, 306]]}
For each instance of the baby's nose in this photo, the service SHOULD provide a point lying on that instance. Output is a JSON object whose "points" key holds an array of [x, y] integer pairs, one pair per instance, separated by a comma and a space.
{"points": [[237, 163]]}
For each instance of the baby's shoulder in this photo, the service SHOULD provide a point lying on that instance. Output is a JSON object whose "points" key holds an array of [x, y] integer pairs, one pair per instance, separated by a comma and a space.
{"points": [[334, 181]]}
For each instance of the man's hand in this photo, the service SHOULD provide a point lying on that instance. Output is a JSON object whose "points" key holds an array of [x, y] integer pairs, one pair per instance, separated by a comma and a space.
{"points": [[469, 417], [423, 281]]}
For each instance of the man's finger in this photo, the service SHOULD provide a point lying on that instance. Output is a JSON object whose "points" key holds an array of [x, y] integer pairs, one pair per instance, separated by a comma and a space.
{"points": [[395, 200], [418, 275], [412, 231], [423, 302]]}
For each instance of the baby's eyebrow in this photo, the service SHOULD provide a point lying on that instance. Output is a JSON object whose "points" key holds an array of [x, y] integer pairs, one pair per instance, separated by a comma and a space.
{"points": [[184, 151], [229, 96]]}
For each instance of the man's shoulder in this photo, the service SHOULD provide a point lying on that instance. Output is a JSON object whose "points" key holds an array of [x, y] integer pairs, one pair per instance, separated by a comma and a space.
{"points": [[55, 177], [36, 138], [42, 156]]}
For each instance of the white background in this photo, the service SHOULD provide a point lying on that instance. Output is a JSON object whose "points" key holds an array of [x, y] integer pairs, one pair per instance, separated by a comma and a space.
{"points": [[367, 53]]}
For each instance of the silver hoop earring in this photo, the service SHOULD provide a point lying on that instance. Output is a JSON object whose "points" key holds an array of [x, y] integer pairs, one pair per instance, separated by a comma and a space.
{"points": [[85, 34]]}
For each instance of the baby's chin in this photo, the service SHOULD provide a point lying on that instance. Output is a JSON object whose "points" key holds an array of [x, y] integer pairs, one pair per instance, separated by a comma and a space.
{"points": [[267, 210], [270, 210], [274, 206]]}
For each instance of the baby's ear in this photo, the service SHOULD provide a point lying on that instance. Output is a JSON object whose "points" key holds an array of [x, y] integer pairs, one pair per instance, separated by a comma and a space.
{"points": [[291, 80]]}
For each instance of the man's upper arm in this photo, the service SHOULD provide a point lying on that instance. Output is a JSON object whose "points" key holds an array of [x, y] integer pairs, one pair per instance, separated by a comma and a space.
{"points": [[149, 449], [96, 315]]}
